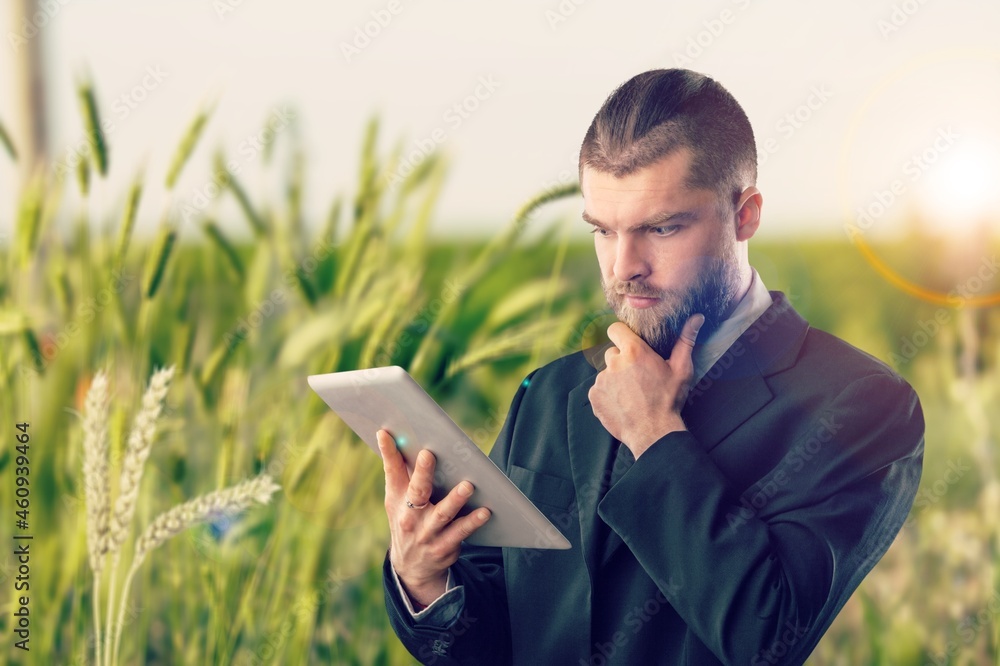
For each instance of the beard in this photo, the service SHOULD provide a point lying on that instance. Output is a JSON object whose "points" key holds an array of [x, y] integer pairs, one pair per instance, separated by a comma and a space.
{"points": [[712, 293]]}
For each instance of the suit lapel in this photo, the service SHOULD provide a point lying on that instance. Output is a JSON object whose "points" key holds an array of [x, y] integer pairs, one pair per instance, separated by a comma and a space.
{"points": [[724, 403], [589, 446]]}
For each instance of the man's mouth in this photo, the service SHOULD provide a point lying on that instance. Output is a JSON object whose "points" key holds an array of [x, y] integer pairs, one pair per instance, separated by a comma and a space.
{"points": [[641, 301]]}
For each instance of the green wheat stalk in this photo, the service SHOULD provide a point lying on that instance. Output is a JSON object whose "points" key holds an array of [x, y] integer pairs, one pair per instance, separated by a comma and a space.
{"points": [[92, 122], [30, 217], [156, 264], [128, 219], [228, 250], [187, 145], [8, 144]]}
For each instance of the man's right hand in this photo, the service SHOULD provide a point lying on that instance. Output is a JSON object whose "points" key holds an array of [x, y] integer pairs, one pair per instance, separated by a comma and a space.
{"points": [[427, 539]]}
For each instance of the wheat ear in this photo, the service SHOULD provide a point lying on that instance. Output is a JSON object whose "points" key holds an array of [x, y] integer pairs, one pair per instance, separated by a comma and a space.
{"points": [[97, 493], [223, 502], [139, 442]]}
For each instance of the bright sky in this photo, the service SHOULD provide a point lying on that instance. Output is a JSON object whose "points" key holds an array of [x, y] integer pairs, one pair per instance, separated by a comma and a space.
{"points": [[867, 109]]}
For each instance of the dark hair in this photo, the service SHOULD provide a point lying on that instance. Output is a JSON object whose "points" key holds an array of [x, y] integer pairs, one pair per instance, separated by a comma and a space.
{"points": [[656, 112]]}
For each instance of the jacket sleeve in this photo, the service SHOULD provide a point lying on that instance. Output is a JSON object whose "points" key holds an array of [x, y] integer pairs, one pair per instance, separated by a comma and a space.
{"points": [[759, 575], [473, 627]]}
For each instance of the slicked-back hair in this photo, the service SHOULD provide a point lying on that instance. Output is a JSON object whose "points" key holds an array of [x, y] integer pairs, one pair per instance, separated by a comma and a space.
{"points": [[657, 112]]}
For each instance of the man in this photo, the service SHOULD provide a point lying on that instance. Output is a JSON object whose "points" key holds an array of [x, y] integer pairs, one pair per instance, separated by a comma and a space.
{"points": [[726, 474]]}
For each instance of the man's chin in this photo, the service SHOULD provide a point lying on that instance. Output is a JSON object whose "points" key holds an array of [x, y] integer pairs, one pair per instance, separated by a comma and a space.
{"points": [[660, 341]]}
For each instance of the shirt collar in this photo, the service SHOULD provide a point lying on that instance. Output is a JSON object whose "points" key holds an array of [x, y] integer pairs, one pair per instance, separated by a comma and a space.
{"points": [[751, 306]]}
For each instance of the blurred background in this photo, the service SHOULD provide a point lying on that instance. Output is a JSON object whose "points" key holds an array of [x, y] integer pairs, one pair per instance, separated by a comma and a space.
{"points": [[256, 191]]}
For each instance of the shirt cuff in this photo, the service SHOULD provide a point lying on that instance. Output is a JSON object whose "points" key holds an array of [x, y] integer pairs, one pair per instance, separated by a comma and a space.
{"points": [[449, 587]]}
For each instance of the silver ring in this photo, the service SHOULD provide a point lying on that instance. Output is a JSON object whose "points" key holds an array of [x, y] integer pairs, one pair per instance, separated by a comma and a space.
{"points": [[411, 505]]}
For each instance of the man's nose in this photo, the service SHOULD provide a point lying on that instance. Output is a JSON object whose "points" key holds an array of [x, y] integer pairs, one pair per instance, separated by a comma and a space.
{"points": [[630, 260]]}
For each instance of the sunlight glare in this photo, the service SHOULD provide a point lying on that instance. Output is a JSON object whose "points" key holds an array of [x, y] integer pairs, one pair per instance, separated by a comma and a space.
{"points": [[961, 191]]}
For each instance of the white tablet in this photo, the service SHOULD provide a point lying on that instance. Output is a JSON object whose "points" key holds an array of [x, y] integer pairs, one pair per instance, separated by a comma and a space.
{"points": [[389, 398]]}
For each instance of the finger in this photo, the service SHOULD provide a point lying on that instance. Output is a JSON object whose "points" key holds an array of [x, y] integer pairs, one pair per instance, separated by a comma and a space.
{"points": [[464, 527], [396, 476], [680, 356], [609, 354], [446, 510], [622, 336], [422, 479]]}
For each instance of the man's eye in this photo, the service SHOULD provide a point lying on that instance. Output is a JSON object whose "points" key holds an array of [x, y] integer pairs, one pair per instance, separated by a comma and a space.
{"points": [[664, 231], [599, 231]]}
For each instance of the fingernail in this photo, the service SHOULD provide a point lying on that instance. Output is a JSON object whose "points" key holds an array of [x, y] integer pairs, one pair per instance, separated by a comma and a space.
{"points": [[465, 489], [483, 514], [698, 323]]}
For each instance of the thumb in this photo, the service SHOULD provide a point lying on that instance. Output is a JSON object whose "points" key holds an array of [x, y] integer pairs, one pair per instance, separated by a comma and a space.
{"points": [[691, 327], [680, 356]]}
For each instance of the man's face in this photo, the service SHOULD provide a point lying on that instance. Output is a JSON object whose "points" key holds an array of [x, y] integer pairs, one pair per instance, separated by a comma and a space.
{"points": [[664, 251]]}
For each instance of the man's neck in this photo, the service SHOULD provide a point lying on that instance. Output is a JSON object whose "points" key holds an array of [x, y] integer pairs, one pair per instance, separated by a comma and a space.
{"points": [[746, 279]]}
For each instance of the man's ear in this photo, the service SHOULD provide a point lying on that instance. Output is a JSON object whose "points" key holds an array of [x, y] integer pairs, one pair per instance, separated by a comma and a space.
{"points": [[748, 213]]}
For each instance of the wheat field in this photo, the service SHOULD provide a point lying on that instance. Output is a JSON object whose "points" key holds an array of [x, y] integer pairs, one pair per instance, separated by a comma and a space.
{"points": [[244, 318]]}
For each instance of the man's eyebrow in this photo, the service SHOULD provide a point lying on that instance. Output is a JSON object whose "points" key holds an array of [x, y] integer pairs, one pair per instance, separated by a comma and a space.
{"points": [[658, 220]]}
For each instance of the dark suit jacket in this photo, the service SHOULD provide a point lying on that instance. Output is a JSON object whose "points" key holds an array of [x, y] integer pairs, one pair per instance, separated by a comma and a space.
{"points": [[737, 541]]}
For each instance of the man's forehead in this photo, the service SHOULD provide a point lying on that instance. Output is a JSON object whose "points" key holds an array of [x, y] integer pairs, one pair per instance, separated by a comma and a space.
{"points": [[599, 192], [670, 172]]}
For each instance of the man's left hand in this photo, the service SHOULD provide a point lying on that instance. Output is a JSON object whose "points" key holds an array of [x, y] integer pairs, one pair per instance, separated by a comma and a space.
{"points": [[638, 396]]}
